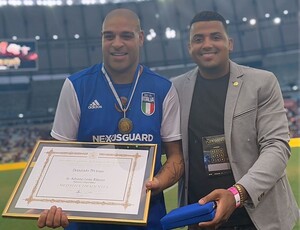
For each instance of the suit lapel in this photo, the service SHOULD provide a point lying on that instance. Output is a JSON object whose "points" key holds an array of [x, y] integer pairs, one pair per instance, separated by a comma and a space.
{"points": [[234, 86], [188, 90]]}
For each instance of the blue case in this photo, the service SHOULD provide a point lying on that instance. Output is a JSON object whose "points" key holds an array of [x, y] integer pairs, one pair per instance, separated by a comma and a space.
{"points": [[188, 215]]}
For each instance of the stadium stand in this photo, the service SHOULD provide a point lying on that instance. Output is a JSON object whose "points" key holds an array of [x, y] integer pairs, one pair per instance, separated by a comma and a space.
{"points": [[68, 39]]}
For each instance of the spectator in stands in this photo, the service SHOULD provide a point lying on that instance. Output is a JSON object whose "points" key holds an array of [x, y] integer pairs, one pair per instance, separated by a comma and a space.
{"points": [[17, 141], [293, 115], [121, 98], [233, 116]]}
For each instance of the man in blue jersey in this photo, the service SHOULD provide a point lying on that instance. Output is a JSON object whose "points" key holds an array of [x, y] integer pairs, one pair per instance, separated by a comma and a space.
{"points": [[121, 100]]}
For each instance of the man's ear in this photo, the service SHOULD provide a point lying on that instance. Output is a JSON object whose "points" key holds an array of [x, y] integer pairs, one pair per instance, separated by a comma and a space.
{"points": [[230, 44], [189, 47], [141, 37]]}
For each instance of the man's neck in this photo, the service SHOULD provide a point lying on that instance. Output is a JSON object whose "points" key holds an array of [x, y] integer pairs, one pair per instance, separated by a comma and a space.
{"points": [[124, 77], [215, 73]]}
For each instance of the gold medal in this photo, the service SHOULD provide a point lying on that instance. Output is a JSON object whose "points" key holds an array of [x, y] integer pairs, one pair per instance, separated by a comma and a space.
{"points": [[125, 125]]}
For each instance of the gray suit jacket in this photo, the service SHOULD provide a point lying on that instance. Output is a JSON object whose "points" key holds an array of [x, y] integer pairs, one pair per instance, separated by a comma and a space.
{"points": [[256, 135]]}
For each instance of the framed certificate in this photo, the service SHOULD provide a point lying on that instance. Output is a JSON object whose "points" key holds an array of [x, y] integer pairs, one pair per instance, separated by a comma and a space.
{"points": [[93, 182]]}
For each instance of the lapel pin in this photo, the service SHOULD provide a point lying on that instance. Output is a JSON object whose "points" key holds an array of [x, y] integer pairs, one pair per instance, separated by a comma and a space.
{"points": [[235, 83]]}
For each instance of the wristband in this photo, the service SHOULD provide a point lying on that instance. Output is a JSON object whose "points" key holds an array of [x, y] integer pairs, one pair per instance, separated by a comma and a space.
{"points": [[242, 198], [236, 195]]}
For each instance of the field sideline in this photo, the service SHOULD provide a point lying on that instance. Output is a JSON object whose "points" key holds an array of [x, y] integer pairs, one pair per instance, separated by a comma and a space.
{"points": [[10, 173]]}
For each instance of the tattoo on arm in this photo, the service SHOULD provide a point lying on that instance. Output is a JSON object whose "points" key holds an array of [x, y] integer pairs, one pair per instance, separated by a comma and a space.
{"points": [[174, 170]]}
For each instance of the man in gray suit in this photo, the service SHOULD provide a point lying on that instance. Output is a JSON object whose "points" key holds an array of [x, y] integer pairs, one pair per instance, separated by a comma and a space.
{"points": [[235, 136]]}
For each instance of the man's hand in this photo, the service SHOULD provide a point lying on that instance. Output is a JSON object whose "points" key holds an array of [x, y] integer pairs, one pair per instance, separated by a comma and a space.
{"points": [[225, 207], [53, 218], [154, 186]]}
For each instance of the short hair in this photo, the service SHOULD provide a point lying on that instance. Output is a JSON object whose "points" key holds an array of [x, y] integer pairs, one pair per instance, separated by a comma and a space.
{"points": [[126, 13], [205, 16]]}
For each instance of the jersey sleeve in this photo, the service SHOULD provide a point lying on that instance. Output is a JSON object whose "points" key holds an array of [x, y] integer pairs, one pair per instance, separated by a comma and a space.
{"points": [[170, 127], [67, 116]]}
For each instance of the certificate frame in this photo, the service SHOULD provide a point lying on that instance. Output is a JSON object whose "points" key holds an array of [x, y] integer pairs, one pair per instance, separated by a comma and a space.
{"points": [[80, 185]]}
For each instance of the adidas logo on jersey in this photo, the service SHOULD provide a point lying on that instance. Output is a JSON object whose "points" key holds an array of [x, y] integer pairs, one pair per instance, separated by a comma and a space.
{"points": [[95, 105]]}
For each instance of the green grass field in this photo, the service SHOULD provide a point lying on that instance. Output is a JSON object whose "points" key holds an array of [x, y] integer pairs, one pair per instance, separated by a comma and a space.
{"points": [[8, 180]]}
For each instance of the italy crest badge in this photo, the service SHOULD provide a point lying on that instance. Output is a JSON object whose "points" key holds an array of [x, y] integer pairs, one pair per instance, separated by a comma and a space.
{"points": [[148, 103]]}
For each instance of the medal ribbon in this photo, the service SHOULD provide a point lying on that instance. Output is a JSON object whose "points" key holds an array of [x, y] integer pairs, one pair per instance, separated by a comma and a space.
{"points": [[137, 74]]}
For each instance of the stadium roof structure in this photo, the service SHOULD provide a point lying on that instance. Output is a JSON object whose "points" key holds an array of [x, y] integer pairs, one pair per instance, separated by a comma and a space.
{"points": [[61, 2], [67, 37]]}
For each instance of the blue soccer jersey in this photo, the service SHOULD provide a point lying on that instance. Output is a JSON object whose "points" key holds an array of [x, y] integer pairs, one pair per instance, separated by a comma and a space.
{"points": [[88, 111]]}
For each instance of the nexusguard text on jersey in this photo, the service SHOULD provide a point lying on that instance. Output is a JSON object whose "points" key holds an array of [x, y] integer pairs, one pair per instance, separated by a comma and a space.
{"points": [[133, 137]]}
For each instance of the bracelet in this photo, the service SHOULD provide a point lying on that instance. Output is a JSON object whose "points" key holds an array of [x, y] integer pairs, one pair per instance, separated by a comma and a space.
{"points": [[242, 198], [236, 195]]}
